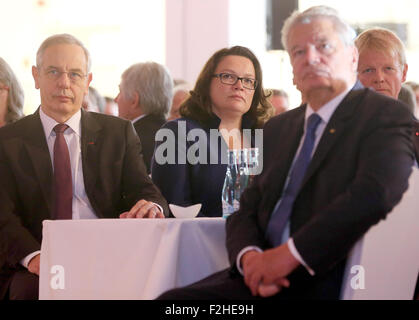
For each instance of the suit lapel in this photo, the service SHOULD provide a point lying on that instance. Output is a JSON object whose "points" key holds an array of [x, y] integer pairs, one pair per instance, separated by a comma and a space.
{"points": [[416, 138], [37, 148], [333, 131], [91, 141], [285, 155]]}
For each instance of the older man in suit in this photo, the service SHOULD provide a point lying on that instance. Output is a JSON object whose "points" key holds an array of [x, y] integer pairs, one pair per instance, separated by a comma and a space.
{"points": [[64, 163], [383, 66], [145, 95], [333, 167]]}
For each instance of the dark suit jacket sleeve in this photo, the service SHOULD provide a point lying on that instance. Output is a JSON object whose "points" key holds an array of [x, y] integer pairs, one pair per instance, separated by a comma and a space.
{"points": [[136, 183], [384, 157], [172, 177], [415, 137], [16, 242], [384, 165]]}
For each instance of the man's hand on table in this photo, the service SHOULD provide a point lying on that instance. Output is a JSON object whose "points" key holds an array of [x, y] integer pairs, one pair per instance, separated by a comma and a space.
{"points": [[143, 209]]}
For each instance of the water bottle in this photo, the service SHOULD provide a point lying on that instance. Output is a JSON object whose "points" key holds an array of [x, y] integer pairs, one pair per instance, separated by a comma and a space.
{"points": [[237, 178], [228, 197]]}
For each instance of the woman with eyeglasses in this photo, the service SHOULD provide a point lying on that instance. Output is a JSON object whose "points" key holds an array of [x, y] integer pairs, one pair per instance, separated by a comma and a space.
{"points": [[11, 95], [228, 97]]}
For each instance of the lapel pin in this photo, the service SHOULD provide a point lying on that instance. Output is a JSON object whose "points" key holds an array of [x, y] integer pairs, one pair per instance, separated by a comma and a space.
{"points": [[332, 131], [91, 143], [417, 133]]}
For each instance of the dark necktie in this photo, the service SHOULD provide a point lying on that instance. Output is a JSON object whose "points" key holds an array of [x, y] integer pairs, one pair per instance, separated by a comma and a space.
{"points": [[282, 213], [63, 185]]}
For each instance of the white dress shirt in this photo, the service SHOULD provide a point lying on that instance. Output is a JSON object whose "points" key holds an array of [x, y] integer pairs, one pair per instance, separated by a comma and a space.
{"points": [[138, 118], [81, 207], [325, 112]]}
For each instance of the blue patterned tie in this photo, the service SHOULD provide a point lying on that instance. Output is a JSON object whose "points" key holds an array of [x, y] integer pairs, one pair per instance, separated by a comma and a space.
{"points": [[282, 213]]}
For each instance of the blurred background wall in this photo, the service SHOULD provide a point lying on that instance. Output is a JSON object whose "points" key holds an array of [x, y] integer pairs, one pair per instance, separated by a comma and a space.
{"points": [[181, 34]]}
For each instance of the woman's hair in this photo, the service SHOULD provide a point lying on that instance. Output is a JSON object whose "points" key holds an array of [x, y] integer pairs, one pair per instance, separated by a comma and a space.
{"points": [[15, 97], [198, 105]]}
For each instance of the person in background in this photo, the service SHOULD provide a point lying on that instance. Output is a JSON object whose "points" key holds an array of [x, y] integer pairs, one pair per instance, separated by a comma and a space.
{"points": [[227, 98], [407, 95], [145, 96], [64, 163], [382, 61], [111, 108], [383, 67], [279, 100], [94, 101], [11, 95], [180, 94], [415, 88], [333, 168]]}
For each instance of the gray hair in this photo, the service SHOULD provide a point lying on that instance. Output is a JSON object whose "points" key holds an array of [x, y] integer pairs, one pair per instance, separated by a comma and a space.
{"points": [[62, 39], [97, 99], [153, 84], [16, 96], [346, 32]]}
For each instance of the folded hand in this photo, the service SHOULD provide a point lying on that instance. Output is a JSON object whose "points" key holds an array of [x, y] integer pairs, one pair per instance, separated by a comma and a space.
{"points": [[265, 272]]}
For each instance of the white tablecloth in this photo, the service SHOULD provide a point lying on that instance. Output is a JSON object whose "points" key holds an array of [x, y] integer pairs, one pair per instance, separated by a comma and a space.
{"points": [[128, 258]]}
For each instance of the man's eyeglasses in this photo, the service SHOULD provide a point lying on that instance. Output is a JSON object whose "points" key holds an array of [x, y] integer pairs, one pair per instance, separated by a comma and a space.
{"points": [[231, 79], [74, 76]]}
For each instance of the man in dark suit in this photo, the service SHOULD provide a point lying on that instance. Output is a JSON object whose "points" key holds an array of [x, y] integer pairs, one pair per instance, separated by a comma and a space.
{"points": [[145, 97], [383, 67], [333, 167], [64, 163]]}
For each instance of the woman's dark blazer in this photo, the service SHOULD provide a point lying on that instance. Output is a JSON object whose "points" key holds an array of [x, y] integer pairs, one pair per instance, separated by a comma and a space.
{"points": [[183, 183]]}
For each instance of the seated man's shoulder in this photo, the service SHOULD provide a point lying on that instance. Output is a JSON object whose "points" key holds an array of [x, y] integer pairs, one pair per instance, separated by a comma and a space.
{"points": [[182, 123], [106, 120], [376, 102], [287, 117], [13, 129]]}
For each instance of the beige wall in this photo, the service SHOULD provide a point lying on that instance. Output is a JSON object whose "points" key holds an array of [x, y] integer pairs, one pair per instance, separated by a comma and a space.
{"points": [[116, 36], [179, 33]]}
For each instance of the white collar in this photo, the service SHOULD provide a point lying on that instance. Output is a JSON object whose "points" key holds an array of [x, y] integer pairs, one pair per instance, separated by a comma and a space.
{"points": [[49, 123], [325, 112], [138, 118]]}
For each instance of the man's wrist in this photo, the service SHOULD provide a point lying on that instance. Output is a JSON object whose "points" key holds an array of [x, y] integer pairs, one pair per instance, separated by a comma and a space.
{"points": [[25, 261], [297, 256], [241, 254]]}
